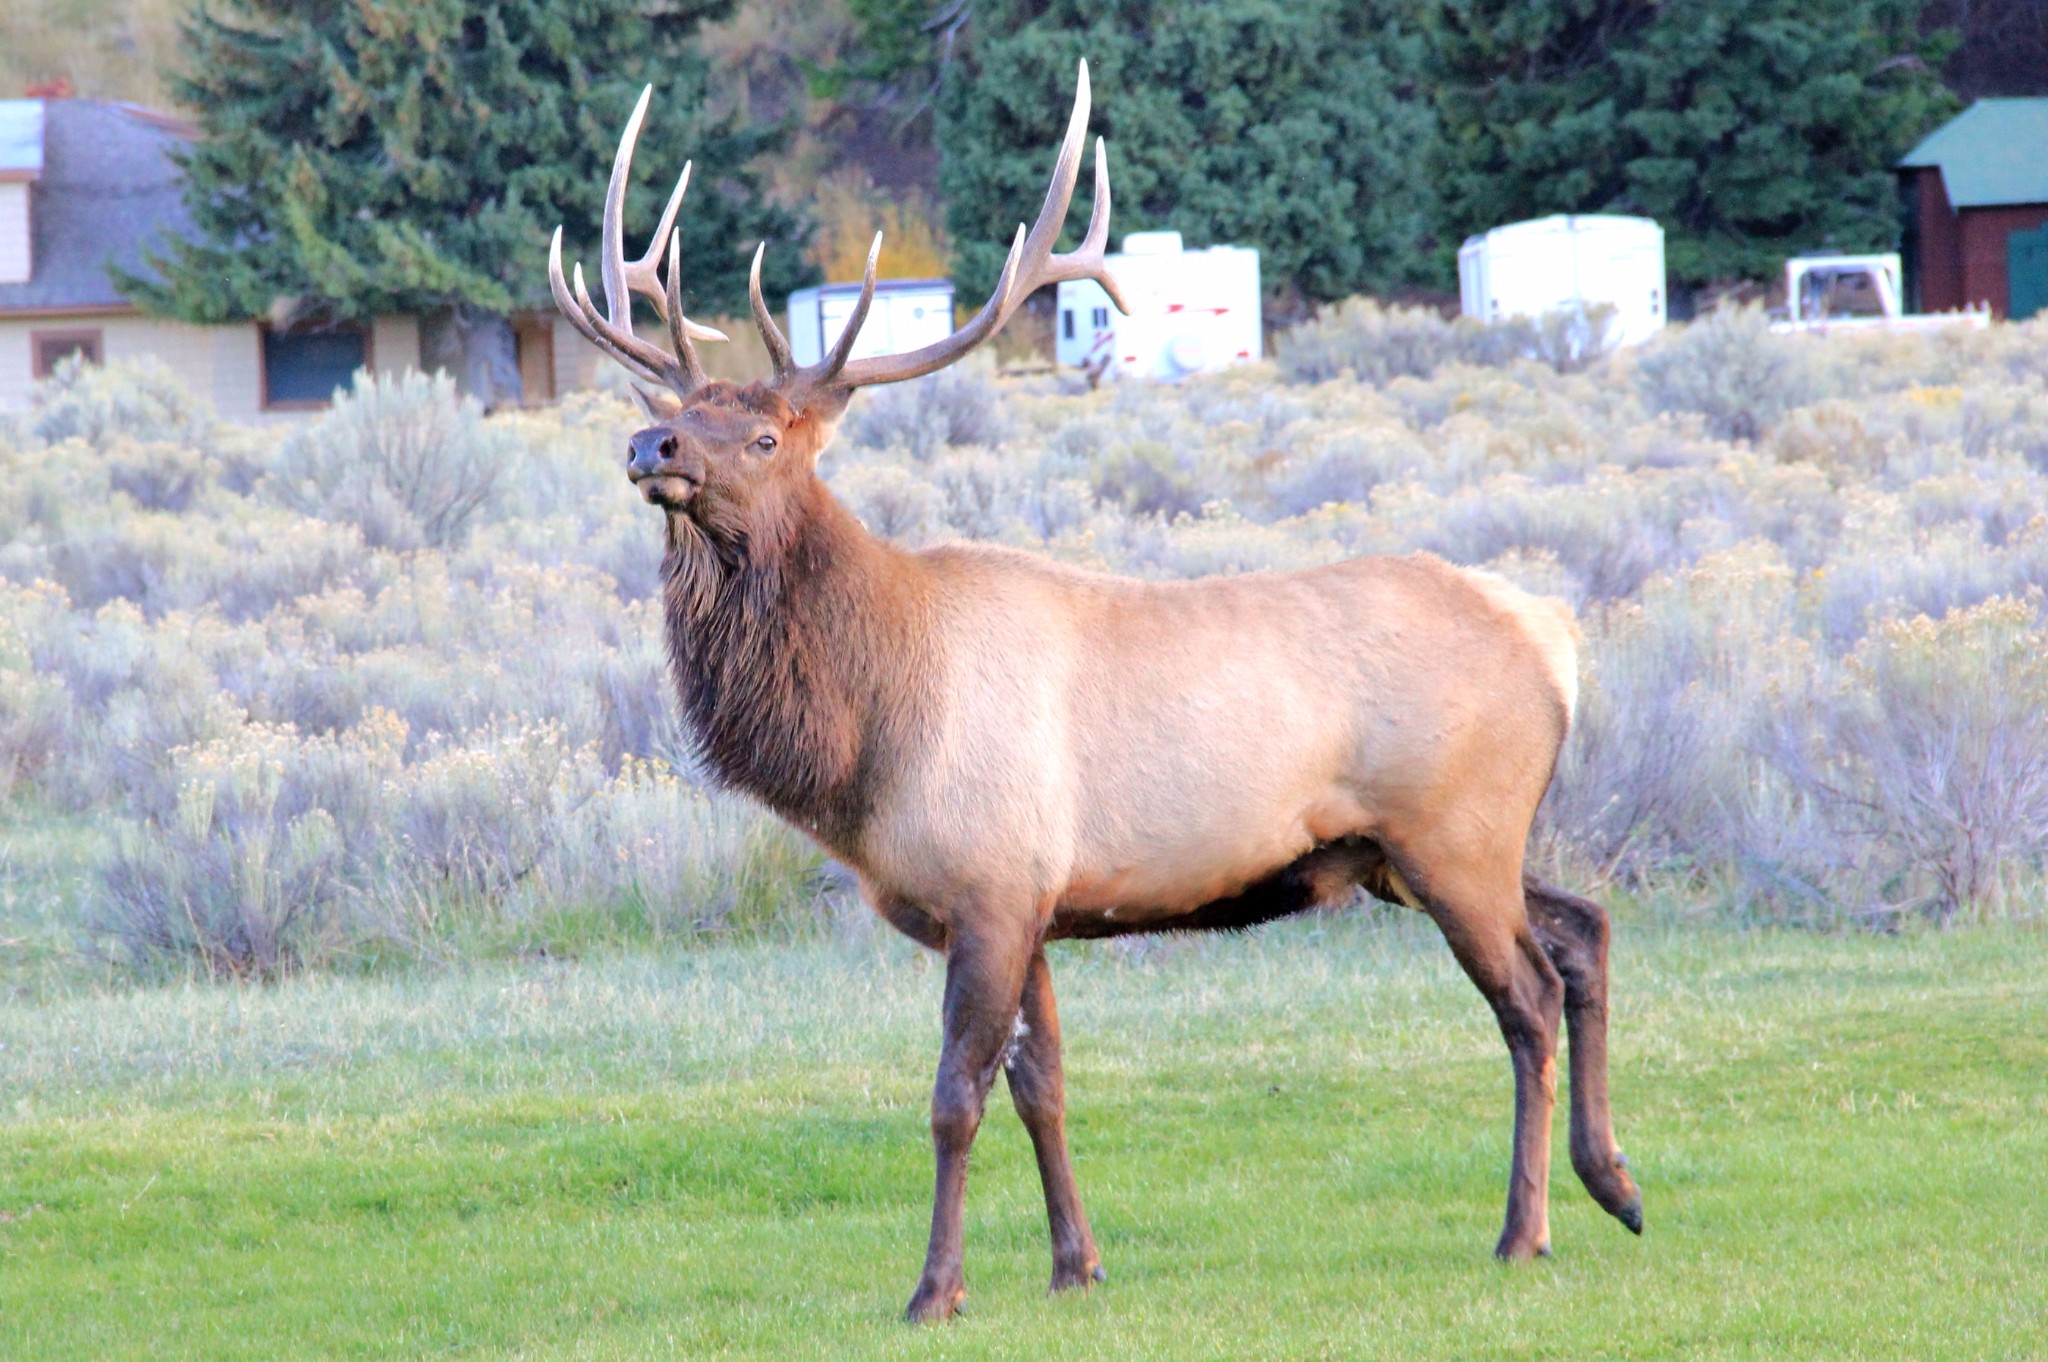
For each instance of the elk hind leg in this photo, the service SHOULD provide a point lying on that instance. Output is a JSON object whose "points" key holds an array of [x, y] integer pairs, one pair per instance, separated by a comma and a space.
{"points": [[1038, 1088], [1573, 933]]}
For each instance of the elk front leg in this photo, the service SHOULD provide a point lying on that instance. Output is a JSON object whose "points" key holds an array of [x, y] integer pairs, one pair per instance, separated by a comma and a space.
{"points": [[984, 988], [1038, 1087]]}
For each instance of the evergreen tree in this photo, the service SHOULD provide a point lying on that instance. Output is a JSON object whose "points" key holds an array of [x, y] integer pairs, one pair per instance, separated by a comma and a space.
{"points": [[1280, 124], [413, 156], [1750, 129]]}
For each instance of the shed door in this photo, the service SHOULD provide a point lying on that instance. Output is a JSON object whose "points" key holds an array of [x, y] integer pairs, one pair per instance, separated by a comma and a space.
{"points": [[2026, 272]]}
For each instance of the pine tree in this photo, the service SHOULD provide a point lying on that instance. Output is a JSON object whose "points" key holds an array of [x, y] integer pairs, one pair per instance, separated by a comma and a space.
{"points": [[1280, 124], [413, 156], [1750, 129]]}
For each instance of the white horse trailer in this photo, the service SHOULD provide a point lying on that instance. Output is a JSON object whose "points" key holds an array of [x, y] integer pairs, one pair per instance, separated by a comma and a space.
{"points": [[906, 314], [1560, 264], [1191, 311]]}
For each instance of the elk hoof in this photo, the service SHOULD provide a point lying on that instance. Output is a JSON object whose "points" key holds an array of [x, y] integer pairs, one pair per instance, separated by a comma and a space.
{"points": [[1607, 1179], [1521, 1250], [935, 1303], [1076, 1278]]}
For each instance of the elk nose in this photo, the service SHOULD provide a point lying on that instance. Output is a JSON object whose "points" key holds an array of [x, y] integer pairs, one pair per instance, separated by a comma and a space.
{"points": [[649, 448]]}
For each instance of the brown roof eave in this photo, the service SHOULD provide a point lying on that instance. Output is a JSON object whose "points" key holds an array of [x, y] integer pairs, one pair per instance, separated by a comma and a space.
{"points": [[37, 314]]}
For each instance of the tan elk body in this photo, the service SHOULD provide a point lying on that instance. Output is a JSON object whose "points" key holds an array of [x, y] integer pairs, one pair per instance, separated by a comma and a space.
{"points": [[1008, 751]]}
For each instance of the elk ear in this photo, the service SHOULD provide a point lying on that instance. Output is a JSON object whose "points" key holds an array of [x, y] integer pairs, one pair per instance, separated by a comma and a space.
{"points": [[659, 406], [812, 430]]}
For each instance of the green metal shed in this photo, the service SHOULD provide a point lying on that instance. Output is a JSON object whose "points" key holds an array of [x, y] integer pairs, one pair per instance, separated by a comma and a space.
{"points": [[1977, 193]]}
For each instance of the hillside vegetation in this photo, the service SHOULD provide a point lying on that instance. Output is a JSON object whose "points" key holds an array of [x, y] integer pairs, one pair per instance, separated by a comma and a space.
{"points": [[389, 684]]}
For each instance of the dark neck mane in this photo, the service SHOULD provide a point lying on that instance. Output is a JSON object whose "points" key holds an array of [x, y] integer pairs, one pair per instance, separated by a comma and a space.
{"points": [[800, 665]]}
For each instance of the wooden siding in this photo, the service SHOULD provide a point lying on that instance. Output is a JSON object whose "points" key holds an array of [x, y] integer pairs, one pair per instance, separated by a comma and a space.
{"points": [[1959, 258], [221, 364], [395, 344], [576, 359], [1983, 250], [15, 264]]}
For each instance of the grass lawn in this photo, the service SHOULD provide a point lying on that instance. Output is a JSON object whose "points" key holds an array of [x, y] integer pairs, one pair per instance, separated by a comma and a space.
{"points": [[1291, 1145]]}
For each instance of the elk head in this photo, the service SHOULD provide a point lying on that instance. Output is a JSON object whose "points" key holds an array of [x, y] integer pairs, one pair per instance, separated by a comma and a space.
{"points": [[732, 458]]}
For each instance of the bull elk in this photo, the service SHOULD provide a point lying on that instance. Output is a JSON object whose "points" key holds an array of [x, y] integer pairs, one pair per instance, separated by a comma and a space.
{"points": [[1008, 751]]}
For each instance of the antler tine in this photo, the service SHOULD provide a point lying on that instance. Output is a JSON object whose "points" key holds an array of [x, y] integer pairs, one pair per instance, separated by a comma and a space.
{"points": [[843, 347], [643, 276], [654, 363], [1031, 265], [583, 316], [612, 331], [764, 321], [622, 279], [678, 325], [617, 299], [1059, 192], [1088, 262]]}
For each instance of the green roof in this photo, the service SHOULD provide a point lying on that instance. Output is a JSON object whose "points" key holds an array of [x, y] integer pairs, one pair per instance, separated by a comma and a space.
{"points": [[1994, 152]]}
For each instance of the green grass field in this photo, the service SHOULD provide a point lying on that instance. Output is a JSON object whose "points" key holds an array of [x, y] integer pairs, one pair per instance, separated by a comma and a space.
{"points": [[1292, 1145]]}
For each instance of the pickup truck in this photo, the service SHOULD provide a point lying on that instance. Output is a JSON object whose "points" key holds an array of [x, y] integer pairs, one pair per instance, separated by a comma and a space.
{"points": [[1850, 293]]}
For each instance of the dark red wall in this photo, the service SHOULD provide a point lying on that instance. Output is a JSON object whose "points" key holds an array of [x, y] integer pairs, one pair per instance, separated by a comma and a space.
{"points": [[1960, 257], [1984, 233], [1937, 249]]}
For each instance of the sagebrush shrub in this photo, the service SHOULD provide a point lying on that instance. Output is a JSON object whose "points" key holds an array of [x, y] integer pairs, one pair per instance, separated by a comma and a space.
{"points": [[1361, 339], [1934, 750], [35, 710], [140, 399], [404, 458], [312, 727], [241, 862], [1731, 369], [957, 406]]}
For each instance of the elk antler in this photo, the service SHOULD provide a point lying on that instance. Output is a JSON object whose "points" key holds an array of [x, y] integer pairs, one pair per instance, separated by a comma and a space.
{"points": [[613, 334], [1030, 266]]}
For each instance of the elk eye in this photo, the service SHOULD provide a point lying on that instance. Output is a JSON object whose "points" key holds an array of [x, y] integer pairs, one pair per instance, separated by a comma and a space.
{"points": [[766, 444]]}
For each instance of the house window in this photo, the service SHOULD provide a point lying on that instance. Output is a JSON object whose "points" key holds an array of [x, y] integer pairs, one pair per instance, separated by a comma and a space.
{"points": [[49, 348], [1099, 318], [1067, 324], [303, 368]]}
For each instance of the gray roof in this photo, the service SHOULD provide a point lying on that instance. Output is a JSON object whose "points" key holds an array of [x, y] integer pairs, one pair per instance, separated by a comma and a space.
{"points": [[1995, 152], [107, 192]]}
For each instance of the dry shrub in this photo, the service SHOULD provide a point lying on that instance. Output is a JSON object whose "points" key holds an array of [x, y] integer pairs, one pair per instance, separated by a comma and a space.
{"points": [[1933, 753], [310, 747], [1365, 340], [140, 399], [404, 458], [1732, 370], [35, 708], [242, 863], [957, 406]]}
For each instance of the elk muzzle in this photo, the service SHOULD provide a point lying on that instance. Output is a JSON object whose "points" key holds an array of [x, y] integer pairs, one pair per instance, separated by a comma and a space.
{"points": [[666, 471]]}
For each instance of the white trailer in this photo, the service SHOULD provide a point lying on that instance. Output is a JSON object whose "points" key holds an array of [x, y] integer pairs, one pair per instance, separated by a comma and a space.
{"points": [[906, 314], [1828, 292], [1191, 311], [1568, 264]]}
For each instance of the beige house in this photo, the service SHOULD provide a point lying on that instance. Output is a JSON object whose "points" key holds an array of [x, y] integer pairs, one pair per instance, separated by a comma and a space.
{"points": [[85, 184]]}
